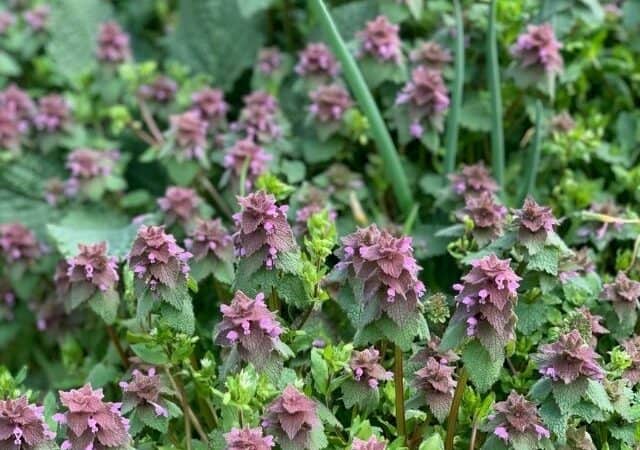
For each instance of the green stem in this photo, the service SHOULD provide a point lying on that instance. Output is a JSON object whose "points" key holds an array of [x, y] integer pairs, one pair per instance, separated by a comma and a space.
{"points": [[243, 177], [451, 144], [455, 406], [398, 380], [381, 135], [533, 158], [411, 220], [493, 67]]}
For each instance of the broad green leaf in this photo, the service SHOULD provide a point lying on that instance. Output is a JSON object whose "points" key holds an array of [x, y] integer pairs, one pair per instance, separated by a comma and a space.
{"points": [[483, 368], [150, 354], [250, 7], [598, 395], [319, 371], [105, 304], [567, 395]]}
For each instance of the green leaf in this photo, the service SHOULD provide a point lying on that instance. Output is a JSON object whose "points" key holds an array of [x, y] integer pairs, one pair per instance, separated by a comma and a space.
{"points": [[541, 389], [250, 7], [567, 395], [354, 393], [453, 336], [546, 260], [101, 375], [531, 316], [483, 368], [148, 416], [213, 37], [598, 395], [476, 112], [152, 354], [74, 27], [319, 371], [433, 442], [403, 335], [105, 304], [8, 66], [182, 320], [554, 419]]}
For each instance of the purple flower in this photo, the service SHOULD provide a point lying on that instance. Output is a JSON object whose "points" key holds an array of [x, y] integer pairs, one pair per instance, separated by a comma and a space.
{"points": [[562, 123], [632, 348], [93, 268], [248, 439], [18, 243], [249, 326], [209, 238], [113, 43], [246, 151], [366, 368], [381, 40], [609, 209], [516, 419], [92, 423], [538, 49], [262, 227], [575, 264], [156, 259], [568, 359], [473, 180], [211, 105], [87, 165], [386, 267], [190, 131], [487, 215], [180, 204], [432, 55], [19, 101], [426, 97], [258, 118], [535, 222], [316, 60], [485, 301], [291, 418], [269, 60], [143, 391], [432, 350], [371, 444], [10, 129], [162, 90], [38, 17], [436, 384], [587, 323], [624, 295], [22, 425], [53, 114], [306, 212], [329, 103], [6, 21]]}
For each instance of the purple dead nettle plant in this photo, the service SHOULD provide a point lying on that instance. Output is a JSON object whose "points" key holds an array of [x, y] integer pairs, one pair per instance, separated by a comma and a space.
{"points": [[632, 347], [426, 98], [534, 222], [373, 443], [180, 205], [262, 228], [587, 323], [292, 418], [435, 384], [380, 39], [89, 168], [38, 17], [485, 301], [18, 244], [577, 263], [317, 61], [248, 438], [92, 424], [19, 101], [473, 180], [610, 212], [91, 272], [269, 60], [385, 269], [516, 421], [162, 90], [144, 391], [304, 214], [329, 103], [562, 123], [246, 156], [53, 114], [250, 328], [366, 368], [211, 105], [259, 117], [6, 21], [537, 52], [10, 134], [113, 44], [210, 239], [487, 214], [432, 350], [189, 131], [624, 295], [431, 55], [22, 425], [568, 359], [156, 260]]}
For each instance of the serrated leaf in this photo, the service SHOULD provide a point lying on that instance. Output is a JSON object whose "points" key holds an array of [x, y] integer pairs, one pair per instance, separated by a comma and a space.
{"points": [[531, 316], [105, 304], [541, 389], [101, 375], [151, 354], [598, 395], [567, 395], [403, 335], [148, 416], [546, 260], [483, 368], [554, 419], [182, 320], [354, 393], [453, 336], [319, 371], [475, 113]]}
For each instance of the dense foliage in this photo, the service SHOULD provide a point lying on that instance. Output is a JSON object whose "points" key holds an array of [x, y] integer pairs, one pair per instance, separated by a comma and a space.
{"points": [[218, 232]]}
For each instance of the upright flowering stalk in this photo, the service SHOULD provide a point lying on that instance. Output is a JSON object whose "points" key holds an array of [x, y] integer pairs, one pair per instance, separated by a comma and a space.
{"points": [[269, 60], [18, 244], [22, 425], [624, 295], [162, 90], [292, 418], [329, 103], [20, 103], [370, 444], [248, 438], [53, 114], [472, 180], [249, 327], [113, 44], [426, 98], [537, 54], [38, 17], [212, 249], [259, 117], [211, 105], [632, 347], [366, 368], [143, 393], [516, 421], [431, 55], [435, 384], [91, 422], [485, 301], [180, 205], [380, 39], [317, 61], [487, 214], [262, 228], [562, 123], [89, 170], [189, 131], [248, 157], [534, 222]]}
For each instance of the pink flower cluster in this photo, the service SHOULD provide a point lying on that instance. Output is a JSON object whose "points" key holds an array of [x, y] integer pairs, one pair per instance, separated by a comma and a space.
{"points": [[18, 243], [632, 347], [624, 295], [212, 107], [246, 151], [15, 99], [93, 267], [53, 114], [113, 43], [535, 222], [162, 90], [38, 17], [6, 21], [538, 49], [209, 238], [143, 391], [370, 444], [366, 368], [473, 179], [568, 359], [269, 60], [180, 204], [516, 419], [87, 165], [381, 40], [190, 131], [259, 117], [22, 425], [291, 418], [329, 103], [487, 214], [431, 55], [436, 384], [426, 97], [248, 438], [316, 60]]}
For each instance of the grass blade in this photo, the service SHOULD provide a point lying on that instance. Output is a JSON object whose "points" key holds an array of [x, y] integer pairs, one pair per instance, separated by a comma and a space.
{"points": [[533, 158], [360, 90], [453, 125], [493, 67]]}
